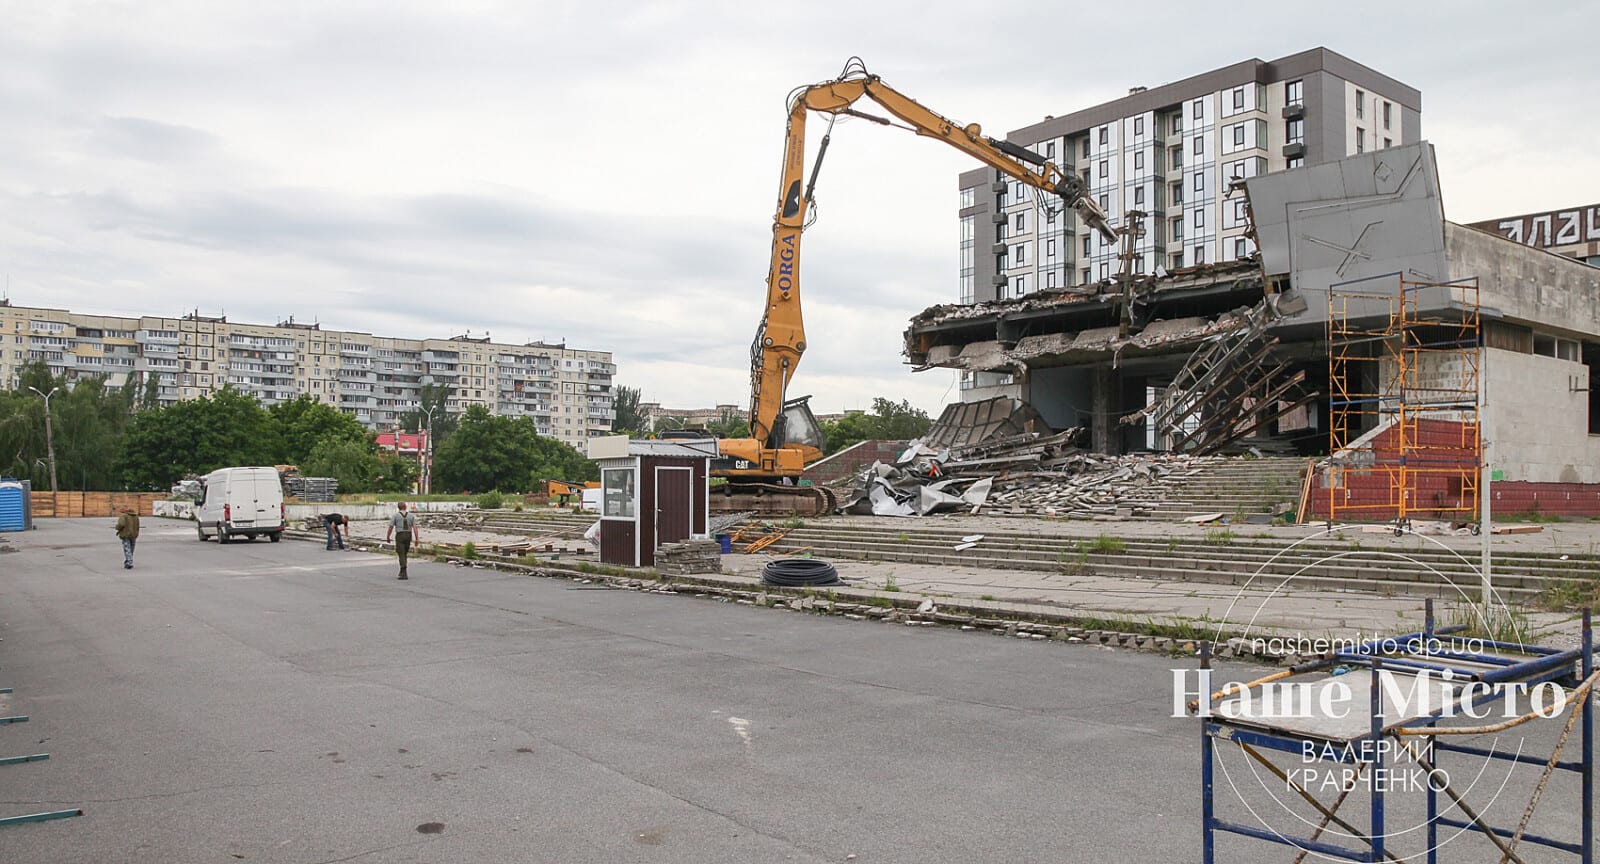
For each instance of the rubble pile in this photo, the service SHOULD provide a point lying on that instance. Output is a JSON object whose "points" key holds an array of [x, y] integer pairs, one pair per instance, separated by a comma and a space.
{"points": [[450, 519], [689, 557], [1028, 474]]}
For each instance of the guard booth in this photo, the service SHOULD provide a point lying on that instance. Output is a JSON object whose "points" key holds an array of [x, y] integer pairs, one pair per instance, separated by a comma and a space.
{"points": [[651, 492]]}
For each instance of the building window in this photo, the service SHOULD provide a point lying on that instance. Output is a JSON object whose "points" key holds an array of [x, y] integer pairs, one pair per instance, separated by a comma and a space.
{"points": [[1361, 140], [1199, 182], [1138, 125], [1019, 222], [1387, 108], [1050, 150], [1177, 229], [1085, 146], [1239, 248], [1238, 98], [1049, 217], [1199, 219], [1177, 157], [1177, 260], [1050, 248], [1138, 161], [1387, 143], [1199, 110], [1295, 162], [1177, 193], [1050, 279], [1294, 131], [1022, 286], [1105, 170], [1238, 211], [1199, 146], [1105, 203], [1177, 123], [1238, 135], [1104, 135], [1361, 104], [1084, 274], [1138, 196], [1199, 255], [1293, 93], [1019, 254], [1086, 240]]}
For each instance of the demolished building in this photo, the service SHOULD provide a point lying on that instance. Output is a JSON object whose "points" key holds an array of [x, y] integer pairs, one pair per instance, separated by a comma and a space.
{"points": [[1306, 348]]}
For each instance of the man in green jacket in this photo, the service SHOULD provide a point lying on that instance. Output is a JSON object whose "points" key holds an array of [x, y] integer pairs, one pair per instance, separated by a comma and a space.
{"points": [[127, 532]]}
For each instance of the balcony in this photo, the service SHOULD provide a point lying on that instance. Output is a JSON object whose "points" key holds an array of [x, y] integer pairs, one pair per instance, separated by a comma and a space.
{"points": [[1290, 151], [1294, 112]]}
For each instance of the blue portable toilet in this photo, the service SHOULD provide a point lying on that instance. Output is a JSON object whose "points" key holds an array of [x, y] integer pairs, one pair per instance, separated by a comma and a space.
{"points": [[13, 506]]}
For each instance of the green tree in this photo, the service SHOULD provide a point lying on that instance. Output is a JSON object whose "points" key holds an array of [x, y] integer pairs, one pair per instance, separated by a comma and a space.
{"points": [[445, 423], [731, 424], [487, 452], [304, 423], [629, 420], [87, 418], [196, 436], [359, 466], [889, 421]]}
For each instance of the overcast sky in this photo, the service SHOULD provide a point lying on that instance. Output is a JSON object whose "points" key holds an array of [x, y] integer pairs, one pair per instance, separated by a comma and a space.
{"points": [[606, 172]]}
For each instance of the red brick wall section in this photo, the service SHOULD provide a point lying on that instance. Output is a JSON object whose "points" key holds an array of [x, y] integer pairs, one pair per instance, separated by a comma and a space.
{"points": [[850, 460], [1367, 495]]}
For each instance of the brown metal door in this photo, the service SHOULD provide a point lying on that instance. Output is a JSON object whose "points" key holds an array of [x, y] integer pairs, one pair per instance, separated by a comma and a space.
{"points": [[674, 506]]}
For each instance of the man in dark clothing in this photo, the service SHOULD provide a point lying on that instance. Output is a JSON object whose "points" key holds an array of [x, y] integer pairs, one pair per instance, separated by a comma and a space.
{"points": [[333, 522], [127, 532]]}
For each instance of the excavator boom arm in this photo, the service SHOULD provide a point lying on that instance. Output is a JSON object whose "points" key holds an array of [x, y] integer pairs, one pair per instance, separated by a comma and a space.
{"points": [[781, 339]]}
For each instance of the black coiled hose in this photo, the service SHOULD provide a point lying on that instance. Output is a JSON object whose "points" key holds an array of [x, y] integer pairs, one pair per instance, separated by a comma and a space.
{"points": [[799, 573]]}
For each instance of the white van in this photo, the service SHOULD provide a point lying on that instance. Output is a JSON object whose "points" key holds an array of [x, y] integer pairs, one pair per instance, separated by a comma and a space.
{"points": [[241, 502]]}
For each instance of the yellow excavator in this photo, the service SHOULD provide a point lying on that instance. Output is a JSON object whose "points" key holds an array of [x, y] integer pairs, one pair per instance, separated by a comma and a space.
{"points": [[763, 470]]}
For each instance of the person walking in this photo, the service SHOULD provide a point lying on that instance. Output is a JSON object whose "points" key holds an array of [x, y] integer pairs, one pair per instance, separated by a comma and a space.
{"points": [[333, 522], [403, 531], [127, 532]]}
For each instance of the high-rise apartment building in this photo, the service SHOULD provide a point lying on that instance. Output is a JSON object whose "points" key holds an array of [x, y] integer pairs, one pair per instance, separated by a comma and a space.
{"points": [[1172, 153], [376, 379]]}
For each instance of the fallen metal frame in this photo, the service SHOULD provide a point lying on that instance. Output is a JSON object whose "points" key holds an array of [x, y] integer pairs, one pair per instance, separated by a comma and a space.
{"points": [[1511, 663], [23, 760]]}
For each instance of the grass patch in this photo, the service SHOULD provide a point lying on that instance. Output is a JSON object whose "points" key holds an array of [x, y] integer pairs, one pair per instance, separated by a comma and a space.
{"points": [[1571, 595], [794, 522], [881, 602], [490, 501], [890, 585], [469, 551], [1106, 544], [1220, 535], [1502, 624], [988, 597]]}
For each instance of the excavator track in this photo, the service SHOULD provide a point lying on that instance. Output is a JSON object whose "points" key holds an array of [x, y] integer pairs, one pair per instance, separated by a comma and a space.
{"points": [[773, 498]]}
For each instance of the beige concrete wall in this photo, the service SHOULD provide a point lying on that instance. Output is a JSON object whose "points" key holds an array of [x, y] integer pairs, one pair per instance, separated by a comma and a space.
{"points": [[1526, 285], [1538, 427]]}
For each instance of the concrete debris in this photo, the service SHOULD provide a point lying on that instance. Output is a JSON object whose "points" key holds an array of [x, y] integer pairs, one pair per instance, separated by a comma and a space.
{"points": [[1024, 474], [689, 557]]}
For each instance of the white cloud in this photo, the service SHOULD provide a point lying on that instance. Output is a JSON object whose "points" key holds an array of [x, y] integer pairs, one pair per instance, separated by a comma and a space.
{"points": [[605, 173]]}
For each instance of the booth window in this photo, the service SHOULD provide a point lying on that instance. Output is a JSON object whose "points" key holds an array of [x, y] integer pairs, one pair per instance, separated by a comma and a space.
{"points": [[617, 484]]}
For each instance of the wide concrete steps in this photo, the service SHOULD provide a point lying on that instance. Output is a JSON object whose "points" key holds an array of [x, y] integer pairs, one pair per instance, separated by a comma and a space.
{"points": [[1327, 566]]}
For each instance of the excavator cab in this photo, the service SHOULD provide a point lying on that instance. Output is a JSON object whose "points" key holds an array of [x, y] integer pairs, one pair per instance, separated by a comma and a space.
{"points": [[797, 426]]}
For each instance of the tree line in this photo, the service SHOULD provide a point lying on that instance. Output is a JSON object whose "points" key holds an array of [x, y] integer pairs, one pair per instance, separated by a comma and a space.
{"points": [[122, 438], [887, 421]]}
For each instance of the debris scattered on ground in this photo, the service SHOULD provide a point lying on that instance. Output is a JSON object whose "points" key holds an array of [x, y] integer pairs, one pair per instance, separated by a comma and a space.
{"points": [[1516, 529], [689, 557], [1031, 473]]}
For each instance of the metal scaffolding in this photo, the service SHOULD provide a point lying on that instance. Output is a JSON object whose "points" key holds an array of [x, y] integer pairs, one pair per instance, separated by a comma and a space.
{"points": [[1404, 391], [1381, 736]]}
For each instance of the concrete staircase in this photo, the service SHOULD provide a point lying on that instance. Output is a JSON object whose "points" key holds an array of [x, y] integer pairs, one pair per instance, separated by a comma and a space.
{"points": [[1238, 486], [1217, 557]]}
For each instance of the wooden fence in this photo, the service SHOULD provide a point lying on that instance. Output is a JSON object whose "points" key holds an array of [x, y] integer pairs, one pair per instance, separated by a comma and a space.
{"points": [[73, 505]]}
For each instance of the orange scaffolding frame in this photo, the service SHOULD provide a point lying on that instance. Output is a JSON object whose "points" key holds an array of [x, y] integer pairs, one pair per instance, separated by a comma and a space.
{"points": [[1404, 362]]}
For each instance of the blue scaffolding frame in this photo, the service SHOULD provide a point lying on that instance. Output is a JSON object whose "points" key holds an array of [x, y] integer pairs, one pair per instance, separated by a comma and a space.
{"points": [[1435, 651]]}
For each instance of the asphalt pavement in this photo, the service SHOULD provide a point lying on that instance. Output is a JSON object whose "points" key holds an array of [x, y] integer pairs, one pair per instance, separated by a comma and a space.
{"points": [[282, 703]]}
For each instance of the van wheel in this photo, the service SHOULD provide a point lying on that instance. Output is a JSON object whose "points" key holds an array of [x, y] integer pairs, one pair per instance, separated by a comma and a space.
{"points": [[222, 535], [275, 536], [202, 532]]}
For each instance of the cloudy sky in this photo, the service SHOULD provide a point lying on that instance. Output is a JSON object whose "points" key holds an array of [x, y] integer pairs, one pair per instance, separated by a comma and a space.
{"points": [[605, 172]]}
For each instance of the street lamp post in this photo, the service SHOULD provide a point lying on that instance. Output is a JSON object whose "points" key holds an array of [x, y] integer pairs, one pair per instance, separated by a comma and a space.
{"points": [[427, 459], [49, 435]]}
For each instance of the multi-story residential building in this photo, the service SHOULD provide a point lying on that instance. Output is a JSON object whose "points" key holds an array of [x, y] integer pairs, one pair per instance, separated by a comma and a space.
{"points": [[376, 379], [1172, 153]]}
